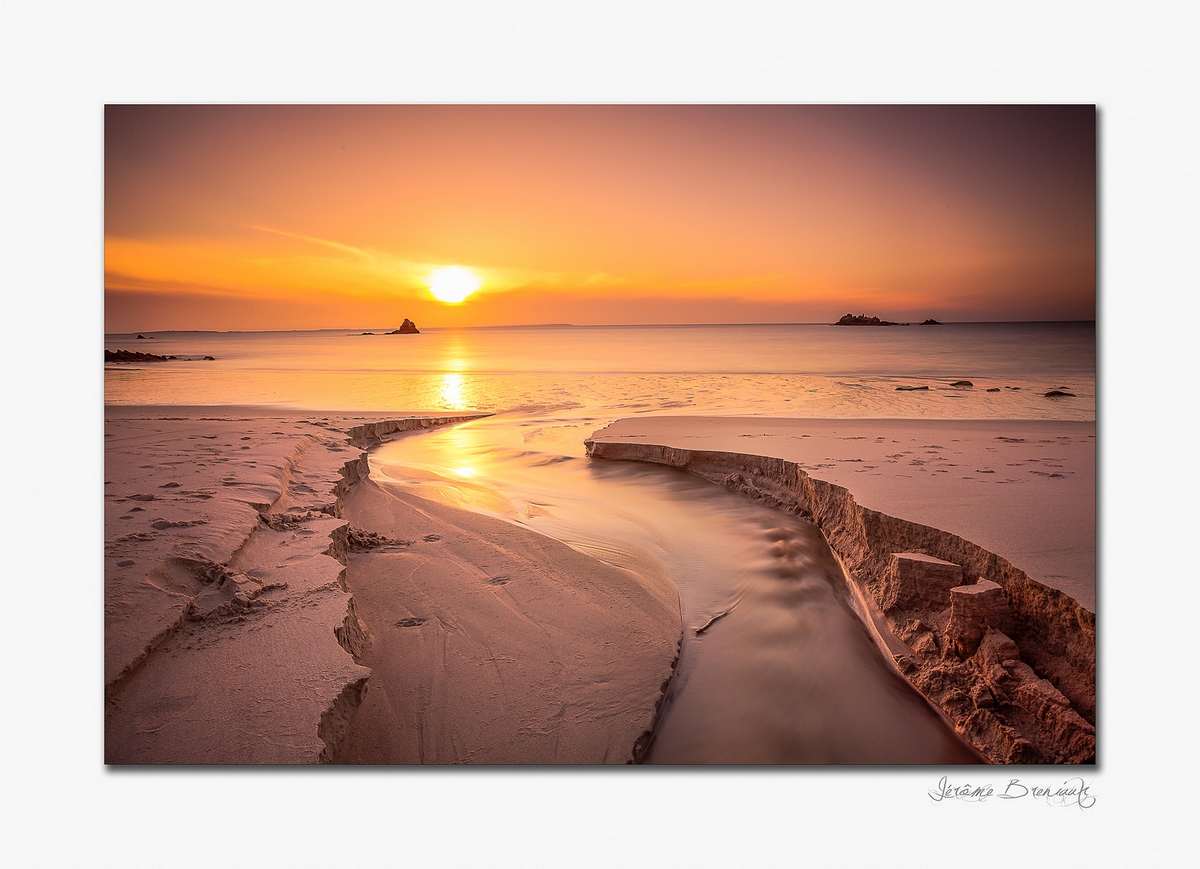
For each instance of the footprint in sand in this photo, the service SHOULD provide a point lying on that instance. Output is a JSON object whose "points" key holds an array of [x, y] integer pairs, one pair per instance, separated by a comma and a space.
{"points": [[432, 538], [410, 623], [502, 579]]}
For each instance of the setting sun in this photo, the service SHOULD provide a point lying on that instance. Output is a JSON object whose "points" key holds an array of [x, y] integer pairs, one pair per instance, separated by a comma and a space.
{"points": [[452, 284]]}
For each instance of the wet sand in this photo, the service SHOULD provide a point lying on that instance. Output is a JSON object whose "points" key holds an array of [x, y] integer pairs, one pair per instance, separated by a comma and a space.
{"points": [[454, 637], [492, 644], [230, 636], [1023, 489], [1010, 659]]}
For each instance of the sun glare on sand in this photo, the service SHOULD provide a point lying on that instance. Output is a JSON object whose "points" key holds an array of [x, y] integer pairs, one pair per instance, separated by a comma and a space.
{"points": [[452, 284]]}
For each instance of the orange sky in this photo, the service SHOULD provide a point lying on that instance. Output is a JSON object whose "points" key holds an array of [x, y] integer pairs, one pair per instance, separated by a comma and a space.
{"points": [[298, 217]]}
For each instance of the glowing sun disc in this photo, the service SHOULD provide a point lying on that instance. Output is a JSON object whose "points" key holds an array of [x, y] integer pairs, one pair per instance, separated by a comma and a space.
{"points": [[452, 284]]}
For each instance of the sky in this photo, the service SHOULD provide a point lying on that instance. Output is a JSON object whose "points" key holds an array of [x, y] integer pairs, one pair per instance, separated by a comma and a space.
{"points": [[304, 217]]}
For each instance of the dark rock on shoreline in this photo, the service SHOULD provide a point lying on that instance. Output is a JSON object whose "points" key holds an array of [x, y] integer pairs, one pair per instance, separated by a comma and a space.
{"points": [[141, 337], [910, 388], [962, 384], [138, 356], [863, 320], [134, 356], [408, 327], [1058, 393]]}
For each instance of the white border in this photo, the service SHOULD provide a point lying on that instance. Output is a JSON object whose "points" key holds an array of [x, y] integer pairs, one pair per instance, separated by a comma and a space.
{"points": [[62, 62]]}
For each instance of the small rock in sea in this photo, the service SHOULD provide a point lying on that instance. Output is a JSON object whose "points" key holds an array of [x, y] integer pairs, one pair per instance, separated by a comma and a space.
{"points": [[1058, 393], [408, 327], [863, 320], [141, 337], [210, 359], [994, 389], [931, 322], [962, 384], [910, 388]]}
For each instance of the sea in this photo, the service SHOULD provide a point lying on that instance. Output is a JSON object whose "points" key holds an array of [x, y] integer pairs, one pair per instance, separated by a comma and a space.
{"points": [[786, 674], [781, 370]]}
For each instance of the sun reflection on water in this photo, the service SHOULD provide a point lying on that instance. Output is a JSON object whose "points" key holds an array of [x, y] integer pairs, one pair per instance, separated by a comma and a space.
{"points": [[452, 392]]}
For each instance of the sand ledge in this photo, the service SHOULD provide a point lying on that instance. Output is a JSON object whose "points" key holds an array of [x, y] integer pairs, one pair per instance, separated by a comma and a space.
{"points": [[1042, 711], [492, 644], [227, 624]]}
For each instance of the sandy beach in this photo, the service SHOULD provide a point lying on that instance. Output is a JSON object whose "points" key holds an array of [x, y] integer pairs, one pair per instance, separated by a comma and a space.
{"points": [[232, 636], [258, 576]]}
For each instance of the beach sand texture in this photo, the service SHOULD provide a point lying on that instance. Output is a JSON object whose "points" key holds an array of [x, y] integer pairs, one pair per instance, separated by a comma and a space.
{"points": [[946, 608], [1023, 489], [266, 601], [230, 636]]}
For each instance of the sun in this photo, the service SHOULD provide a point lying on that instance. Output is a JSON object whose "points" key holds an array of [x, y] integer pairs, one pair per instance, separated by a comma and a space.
{"points": [[452, 284]]}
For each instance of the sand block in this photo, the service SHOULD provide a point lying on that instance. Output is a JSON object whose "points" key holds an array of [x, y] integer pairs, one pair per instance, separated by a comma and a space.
{"points": [[973, 608], [916, 581]]}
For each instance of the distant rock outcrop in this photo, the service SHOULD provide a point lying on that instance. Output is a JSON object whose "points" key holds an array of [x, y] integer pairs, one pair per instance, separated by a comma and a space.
{"points": [[931, 322], [134, 356], [408, 327], [138, 356], [863, 320]]}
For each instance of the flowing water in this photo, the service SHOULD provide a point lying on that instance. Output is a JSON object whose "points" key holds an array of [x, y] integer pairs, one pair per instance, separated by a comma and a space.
{"points": [[784, 671]]}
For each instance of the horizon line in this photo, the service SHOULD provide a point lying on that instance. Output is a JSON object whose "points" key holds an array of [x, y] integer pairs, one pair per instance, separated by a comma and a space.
{"points": [[591, 326]]}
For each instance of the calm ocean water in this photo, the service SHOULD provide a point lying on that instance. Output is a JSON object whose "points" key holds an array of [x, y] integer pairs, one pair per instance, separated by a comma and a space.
{"points": [[784, 370]]}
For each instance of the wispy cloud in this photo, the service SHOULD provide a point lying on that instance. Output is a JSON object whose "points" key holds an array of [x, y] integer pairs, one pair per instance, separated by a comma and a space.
{"points": [[336, 245]]}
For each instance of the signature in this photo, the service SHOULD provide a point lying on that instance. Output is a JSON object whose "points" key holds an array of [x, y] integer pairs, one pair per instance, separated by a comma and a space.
{"points": [[1072, 792]]}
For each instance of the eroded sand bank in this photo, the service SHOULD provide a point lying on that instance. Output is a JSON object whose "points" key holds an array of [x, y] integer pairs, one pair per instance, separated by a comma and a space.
{"points": [[220, 597], [231, 636], [490, 643], [1009, 658]]}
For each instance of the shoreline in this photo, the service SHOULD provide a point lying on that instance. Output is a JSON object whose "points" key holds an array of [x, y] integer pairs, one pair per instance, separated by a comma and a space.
{"points": [[148, 720], [234, 606], [1008, 659]]}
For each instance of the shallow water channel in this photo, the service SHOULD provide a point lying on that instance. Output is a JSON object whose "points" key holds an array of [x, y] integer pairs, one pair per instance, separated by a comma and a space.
{"points": [[784, 672]]}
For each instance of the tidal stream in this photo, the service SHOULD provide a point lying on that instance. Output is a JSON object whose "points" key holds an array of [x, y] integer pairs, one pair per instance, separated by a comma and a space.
{"points": [[775, 666]]}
